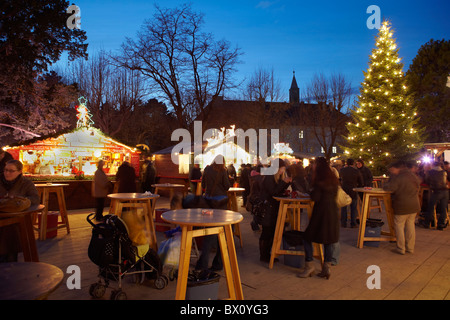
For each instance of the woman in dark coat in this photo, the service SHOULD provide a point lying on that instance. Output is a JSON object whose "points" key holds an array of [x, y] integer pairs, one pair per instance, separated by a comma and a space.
{"points": [[126, 177], [323, 226], [271, 186], [14, 184], [216, 184]]}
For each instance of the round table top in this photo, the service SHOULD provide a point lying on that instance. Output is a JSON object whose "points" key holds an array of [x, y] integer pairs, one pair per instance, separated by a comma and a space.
{"points": [[236, 189], [196, 217], [371, 190], [28, 280], [32, 209], [167, 185], [299, 198], [132, 196], [47, 185]]}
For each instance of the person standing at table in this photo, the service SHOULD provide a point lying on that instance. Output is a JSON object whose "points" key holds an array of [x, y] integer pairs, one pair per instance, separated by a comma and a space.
{"points": [[350, 178], [298, 174], [365, 172], [254, 202], [126, 177], [216, 184], [13, 183], [100, 189], [231, 174], [436, 178], [323, 226], [405, 201], [148, 177], [244, 182], [271, 186]]}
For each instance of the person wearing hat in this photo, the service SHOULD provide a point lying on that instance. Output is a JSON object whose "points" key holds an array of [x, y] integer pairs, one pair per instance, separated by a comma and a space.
{"points": [[271, 186]]}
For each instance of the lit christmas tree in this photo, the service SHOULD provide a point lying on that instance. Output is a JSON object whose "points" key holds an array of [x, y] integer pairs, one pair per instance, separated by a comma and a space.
{"points": [[384, 126]]}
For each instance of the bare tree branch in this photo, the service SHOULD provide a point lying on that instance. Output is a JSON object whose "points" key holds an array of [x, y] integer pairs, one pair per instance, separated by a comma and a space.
{"points": [[188, 68]]}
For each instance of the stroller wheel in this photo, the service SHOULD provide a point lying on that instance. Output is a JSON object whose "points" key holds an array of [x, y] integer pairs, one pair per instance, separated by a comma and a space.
{"points": [[118, 295], [97, 290], [161, 282]]}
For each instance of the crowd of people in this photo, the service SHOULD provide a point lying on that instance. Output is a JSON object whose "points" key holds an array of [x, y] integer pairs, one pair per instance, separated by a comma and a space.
{"points": [[320, 180]]}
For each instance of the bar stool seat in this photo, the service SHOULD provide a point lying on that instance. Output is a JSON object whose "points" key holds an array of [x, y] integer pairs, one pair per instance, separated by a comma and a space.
{"points": [[44, 191]]}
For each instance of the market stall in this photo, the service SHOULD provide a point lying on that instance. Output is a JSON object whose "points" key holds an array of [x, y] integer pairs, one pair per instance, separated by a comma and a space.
{"points": [[221, 142], [71, 157], [74, 153]]}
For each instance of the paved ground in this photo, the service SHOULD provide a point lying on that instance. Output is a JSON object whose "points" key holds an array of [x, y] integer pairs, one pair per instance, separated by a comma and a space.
{"points": [[420, 276]]}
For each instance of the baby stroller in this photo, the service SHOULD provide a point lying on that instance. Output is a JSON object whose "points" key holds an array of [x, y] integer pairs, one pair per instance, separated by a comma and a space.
{"points": [[112, 250]]}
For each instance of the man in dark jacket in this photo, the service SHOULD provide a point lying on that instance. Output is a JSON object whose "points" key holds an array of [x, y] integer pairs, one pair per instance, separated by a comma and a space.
{"points": [[350, 178], [149, 177], [436, 178], [366, 174], [244, 182]]}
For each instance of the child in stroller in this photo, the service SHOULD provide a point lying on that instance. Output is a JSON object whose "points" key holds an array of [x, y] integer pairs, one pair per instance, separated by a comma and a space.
{"points": [[113, 251]]}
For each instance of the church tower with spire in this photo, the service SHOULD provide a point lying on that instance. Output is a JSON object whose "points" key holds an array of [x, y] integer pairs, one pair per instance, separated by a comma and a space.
{"points": [[294, 91]]}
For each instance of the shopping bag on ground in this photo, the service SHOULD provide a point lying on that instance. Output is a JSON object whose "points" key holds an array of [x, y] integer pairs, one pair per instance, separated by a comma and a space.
{"points": [[169, 250]]}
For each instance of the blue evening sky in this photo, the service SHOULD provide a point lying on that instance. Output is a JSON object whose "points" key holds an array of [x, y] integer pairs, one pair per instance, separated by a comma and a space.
{"points": [[286, 35]]}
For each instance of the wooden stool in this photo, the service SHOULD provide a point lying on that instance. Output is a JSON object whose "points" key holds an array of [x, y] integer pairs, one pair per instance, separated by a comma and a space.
{"points": [[44, 191]]}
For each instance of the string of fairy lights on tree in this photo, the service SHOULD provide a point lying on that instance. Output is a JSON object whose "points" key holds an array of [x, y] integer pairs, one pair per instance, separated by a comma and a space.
{"points": [[384, 125]]}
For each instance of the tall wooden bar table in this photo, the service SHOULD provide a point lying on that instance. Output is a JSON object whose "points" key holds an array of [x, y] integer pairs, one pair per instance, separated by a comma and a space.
{"points": [[25, 221], [295, 204], [146, 201], [44, 190], [386, 197], [232, 205], [215, 222]]}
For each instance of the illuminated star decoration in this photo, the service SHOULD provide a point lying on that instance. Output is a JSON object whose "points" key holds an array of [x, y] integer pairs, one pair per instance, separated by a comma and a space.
{"points": [[83, 114]]}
